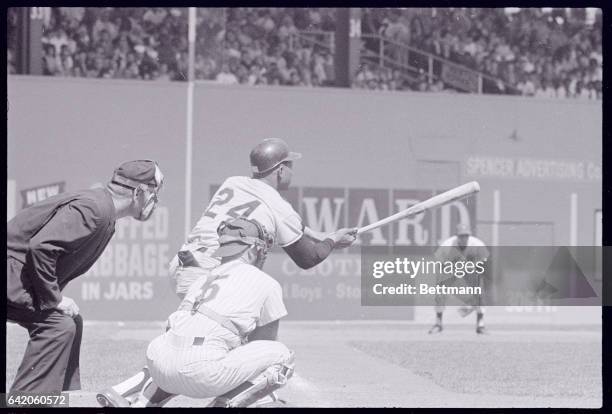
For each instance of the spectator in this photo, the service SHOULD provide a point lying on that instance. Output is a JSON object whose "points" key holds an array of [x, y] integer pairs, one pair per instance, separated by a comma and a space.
{"points": [[50, 64], [225, 76]]}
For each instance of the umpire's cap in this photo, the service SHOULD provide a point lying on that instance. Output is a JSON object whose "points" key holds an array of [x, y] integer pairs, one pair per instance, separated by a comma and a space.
{"points": [[237, 235], [135, 172], [268, 154]]}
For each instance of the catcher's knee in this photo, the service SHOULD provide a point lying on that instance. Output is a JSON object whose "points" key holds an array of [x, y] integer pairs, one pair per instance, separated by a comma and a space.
{"points": [[271, 379]]}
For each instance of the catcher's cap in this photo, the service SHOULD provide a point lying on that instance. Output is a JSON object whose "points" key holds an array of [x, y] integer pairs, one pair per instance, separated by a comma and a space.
{"points": [[132, 173], [237, 235], [463, 230], [269, 153]]}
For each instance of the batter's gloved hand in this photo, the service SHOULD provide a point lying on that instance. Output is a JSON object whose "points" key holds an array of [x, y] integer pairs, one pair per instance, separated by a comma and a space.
{"points": [[344, 237], [68, 307]]}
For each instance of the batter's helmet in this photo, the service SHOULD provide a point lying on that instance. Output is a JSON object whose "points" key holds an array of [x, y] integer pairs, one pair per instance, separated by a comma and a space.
{"points": [[269, 153]]}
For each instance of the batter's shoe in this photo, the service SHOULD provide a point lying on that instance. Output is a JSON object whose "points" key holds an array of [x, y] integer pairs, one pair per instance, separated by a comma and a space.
{"points": [[437, 328], [111, 398], [481, 330]]}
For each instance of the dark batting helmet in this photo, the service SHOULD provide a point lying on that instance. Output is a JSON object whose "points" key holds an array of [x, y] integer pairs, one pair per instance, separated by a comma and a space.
{"points": [[269, 154]]}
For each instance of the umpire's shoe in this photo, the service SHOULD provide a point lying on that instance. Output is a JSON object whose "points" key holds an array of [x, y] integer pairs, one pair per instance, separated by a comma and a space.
{"points": [[111, 398], [437, 328], [481, 330]]}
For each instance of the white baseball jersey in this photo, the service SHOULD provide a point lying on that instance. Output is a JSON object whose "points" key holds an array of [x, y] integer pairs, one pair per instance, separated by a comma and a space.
{"points": [[248, 197], [247, 297], [474, 250], [235, 290]]}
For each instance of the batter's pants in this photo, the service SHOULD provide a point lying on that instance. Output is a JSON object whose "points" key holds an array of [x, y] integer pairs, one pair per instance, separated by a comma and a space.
{"points": [[204, 369], [51, 359]]}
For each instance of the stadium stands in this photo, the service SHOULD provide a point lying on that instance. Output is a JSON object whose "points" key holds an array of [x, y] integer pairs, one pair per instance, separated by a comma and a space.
{"points": [[552, 53]]}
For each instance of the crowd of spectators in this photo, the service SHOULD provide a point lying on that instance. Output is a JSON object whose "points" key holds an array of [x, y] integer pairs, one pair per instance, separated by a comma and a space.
{"points": [[127, 43], [374, 77], [553, 54], [262, 46], [233, 45]]}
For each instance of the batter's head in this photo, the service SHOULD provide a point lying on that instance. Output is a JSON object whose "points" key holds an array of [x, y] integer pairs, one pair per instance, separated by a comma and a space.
{"points": [[238, 235], [269, 154]]}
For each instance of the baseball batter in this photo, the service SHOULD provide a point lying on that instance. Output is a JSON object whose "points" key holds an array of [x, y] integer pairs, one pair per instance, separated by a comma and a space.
{"points": [[462, 246], [202, 355], [255, 197]]}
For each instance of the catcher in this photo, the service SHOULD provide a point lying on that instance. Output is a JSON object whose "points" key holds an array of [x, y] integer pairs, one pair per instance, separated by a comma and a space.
{"points": [[204, 352]]}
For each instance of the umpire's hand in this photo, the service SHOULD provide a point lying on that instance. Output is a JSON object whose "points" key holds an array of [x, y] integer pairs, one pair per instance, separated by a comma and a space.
{"points": [[68, 307]]}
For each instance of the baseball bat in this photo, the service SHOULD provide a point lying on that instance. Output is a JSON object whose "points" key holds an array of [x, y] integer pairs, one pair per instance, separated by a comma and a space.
{"points": [[453, 194]]}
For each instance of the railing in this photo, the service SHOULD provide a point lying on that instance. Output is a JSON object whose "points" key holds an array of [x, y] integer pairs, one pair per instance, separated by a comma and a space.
{"points": [[325, 40], [386, 52], [412, 62]]}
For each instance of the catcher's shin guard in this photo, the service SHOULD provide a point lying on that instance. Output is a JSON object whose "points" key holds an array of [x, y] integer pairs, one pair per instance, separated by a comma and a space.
{"points": [[264, 384], [152, 396]]}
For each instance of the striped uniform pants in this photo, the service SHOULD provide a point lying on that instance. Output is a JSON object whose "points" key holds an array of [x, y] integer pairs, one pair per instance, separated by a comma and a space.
{"points": [[182, 365]]}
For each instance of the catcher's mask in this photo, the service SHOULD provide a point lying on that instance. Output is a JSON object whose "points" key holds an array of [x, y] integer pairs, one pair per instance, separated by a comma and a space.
{"points": [[145, 194], [239, 234]]}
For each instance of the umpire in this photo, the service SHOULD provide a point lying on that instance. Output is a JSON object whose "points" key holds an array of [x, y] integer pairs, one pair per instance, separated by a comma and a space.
{"points": [[49, 244]]}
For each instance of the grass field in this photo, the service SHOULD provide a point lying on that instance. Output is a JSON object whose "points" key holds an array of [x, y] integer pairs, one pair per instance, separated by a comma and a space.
{"points": [[370, 364]]}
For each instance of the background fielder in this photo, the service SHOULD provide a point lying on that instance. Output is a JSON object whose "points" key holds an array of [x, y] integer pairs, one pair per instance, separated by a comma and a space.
{"points": [[462, 246]]}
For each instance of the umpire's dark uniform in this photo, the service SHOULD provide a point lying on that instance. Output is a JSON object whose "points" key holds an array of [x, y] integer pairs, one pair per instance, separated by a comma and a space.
{"points": [[49, 244]]}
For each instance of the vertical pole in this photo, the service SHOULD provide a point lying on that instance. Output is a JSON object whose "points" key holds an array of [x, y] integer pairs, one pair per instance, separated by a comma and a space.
{"points": [[35, 33], [573, 220], [496, 218], [573, 235], [495, 256], [341, 50], [29, 45], [430, 68], [347, 45], [189, 126]]}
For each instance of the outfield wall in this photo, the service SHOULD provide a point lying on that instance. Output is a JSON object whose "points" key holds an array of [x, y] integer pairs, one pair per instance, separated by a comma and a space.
{"points": [[366, 154]]}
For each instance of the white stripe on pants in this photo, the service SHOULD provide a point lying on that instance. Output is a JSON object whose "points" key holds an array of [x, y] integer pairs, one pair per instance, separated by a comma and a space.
{"points": [[209, 370]]}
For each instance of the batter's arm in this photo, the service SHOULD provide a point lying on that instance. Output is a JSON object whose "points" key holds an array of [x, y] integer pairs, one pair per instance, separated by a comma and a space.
{"points": [[307, 252], [317, 235]]}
